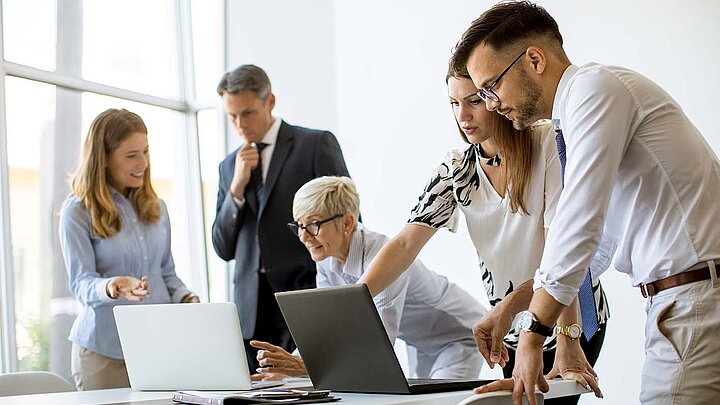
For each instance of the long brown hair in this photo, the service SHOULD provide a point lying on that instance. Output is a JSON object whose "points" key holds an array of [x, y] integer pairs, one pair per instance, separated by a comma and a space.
{"points": [[90, 184], [516, 148]]}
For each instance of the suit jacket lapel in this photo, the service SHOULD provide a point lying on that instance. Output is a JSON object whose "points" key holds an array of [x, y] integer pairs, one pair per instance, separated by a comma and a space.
{"points": [[282, 148]]}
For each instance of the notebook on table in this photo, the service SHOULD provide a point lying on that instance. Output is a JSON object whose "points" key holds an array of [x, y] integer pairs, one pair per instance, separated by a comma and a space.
{"points": [[170, 347], [277, 396], [345, 346]]}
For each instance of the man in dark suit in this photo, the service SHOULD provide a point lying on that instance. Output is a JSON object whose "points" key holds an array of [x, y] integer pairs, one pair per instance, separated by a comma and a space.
{"points": [[254, 205]]}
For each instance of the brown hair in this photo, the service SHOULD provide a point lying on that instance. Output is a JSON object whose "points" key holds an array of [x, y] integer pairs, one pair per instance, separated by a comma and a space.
{"points": [[516, 148], [505, 25], [107, 132]]}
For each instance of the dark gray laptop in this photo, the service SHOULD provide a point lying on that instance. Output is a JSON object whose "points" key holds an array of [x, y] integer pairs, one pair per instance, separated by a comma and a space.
{"points": [[345, 346]]}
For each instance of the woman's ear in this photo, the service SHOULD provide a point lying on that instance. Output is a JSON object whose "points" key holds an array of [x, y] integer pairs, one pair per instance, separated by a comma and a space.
{"points": [[348, 223]]}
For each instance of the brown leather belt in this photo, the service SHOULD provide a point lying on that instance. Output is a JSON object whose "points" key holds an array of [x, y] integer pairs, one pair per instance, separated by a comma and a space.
{"points": [[691, 276]]}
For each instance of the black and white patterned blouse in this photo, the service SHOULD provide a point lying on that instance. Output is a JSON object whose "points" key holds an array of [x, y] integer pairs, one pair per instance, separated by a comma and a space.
{"points": [[509, 246]]}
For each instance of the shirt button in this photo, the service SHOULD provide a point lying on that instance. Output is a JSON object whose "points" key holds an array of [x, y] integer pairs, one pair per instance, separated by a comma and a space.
{"points": [[134, 219], [141, 238], [145, 257]]}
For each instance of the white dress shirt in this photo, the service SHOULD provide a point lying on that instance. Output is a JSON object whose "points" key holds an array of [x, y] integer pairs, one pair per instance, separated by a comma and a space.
{"points": [[421, 307], [639, 174]]}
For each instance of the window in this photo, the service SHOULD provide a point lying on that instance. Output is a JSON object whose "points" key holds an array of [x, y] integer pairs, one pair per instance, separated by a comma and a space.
{"points": [[132, 44], [212, 151], [30, 128], [30, 44], [57, 74]]}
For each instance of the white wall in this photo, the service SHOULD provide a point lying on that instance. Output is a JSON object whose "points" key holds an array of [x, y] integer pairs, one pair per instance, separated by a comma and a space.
{"points": [[294, 42], [381, 89]]}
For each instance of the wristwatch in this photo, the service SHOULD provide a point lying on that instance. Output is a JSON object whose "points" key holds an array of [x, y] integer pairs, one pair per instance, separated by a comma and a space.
{"points": [[528, 323], [573, 331]]}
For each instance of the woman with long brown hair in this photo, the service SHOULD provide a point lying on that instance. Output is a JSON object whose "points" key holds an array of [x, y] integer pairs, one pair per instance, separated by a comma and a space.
{"points": [[115, 238], [507, 184]]}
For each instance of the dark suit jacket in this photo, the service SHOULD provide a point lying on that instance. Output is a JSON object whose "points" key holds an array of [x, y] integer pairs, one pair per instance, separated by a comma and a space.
{"points": [[251, 232]]}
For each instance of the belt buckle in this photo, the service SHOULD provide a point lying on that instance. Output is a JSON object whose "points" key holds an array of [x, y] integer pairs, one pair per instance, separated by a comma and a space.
{"points": [[648, 289]]}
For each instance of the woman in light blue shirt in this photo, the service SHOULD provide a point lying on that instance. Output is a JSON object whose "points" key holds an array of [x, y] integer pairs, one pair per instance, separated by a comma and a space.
{"points": [[115, 238]]}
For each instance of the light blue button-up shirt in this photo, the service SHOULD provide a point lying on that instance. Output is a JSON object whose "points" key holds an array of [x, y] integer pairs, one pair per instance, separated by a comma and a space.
{"points": [[138, 250]]}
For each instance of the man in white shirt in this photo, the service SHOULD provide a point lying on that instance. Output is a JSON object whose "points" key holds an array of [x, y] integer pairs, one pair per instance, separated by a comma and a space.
{"points": [[638, 175]]}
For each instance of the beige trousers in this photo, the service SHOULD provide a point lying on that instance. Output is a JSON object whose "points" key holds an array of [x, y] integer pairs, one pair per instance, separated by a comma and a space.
{"points": [[93, 371], [682, 346]]}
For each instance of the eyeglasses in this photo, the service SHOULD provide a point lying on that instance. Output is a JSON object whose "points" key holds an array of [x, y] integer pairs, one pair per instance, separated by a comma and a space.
{"points": [[313, 228], [487, 93]]}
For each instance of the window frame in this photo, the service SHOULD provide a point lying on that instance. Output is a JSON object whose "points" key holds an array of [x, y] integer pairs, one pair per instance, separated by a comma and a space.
{"points": [[187, 104]]}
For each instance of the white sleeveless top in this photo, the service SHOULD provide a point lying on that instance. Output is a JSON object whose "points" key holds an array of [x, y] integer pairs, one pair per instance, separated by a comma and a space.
{"points": [[509, 246]]}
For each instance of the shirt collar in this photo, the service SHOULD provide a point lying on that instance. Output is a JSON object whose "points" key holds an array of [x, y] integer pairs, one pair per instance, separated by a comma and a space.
{"points": [[562, 85], [116, 194], [354, 263], [271, 135]]}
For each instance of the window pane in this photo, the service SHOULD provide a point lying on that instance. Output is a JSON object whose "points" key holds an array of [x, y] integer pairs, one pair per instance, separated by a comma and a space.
{"points": [[207, 24], [29, 32], [30, 128], [132, 44], [165, 129], [211, 153]]}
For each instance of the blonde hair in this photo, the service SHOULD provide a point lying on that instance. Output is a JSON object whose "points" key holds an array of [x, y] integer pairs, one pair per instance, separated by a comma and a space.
{"points": [[327, 195], [90, 184]]}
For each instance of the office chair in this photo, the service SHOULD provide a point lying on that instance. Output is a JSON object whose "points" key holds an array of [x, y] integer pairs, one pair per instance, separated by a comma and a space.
{"points": [[498, 398], [32, 382]]}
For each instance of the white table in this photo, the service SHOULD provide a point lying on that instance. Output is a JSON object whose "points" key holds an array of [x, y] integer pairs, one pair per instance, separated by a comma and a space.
{"points": [[124, 395]]}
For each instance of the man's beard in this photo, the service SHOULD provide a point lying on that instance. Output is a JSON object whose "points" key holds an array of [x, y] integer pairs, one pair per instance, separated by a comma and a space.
{"points": [[528, 110]]}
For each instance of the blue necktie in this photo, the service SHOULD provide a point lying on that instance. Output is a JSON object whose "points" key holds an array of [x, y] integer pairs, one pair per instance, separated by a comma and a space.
{"points": [[586, 298], [256, 176]]}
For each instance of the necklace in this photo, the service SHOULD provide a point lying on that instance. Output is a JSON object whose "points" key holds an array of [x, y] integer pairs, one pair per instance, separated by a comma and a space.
{"points": [[490, 161]]}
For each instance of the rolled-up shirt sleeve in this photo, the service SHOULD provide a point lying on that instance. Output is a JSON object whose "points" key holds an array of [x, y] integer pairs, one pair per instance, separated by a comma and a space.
{"points": [[597, 119], [85, 283]]}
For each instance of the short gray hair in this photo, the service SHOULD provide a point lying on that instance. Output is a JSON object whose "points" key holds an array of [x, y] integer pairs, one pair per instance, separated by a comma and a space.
{"points": [[327, 195], [245, 77]]}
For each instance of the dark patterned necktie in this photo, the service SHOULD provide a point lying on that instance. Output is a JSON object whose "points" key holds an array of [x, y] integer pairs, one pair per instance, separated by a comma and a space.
{"points": [[256, 176], [586, 298]]}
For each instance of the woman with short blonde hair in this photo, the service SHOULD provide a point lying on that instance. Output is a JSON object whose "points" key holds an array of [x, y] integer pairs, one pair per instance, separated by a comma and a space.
{"points": [[326, 213], [115, 239]]}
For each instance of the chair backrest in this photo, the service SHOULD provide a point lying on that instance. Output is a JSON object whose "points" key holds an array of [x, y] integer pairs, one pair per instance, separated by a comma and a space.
{"points": [[32, 382], [498, 398]]}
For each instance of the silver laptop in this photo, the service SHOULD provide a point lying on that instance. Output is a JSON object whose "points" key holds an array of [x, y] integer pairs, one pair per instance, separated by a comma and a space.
{"points": [[184, 347]]}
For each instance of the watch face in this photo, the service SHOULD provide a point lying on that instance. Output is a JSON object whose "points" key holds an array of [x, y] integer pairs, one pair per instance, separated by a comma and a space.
{"points": [[574, 331], [524, 320]]}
